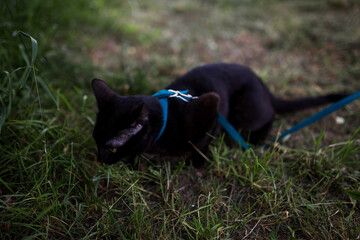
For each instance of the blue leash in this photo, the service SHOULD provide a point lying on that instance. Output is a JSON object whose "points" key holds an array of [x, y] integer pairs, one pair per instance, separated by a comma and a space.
{"points": [[232, 131], [163, 96], [323, 113]]}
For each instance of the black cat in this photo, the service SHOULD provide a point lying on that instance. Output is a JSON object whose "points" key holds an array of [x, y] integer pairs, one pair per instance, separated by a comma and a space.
{"points": [[127, 126]]}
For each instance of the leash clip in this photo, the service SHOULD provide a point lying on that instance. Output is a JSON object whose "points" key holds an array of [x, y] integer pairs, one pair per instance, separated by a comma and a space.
{"points": [[182, 96]]}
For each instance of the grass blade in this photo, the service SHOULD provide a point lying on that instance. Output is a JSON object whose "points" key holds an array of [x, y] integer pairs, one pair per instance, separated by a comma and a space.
{"points": [[47, 90], [34, 47], [353, 194]]}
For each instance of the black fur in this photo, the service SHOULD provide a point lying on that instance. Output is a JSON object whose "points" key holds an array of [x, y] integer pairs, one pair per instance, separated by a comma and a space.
{"points": [[127, 126]]}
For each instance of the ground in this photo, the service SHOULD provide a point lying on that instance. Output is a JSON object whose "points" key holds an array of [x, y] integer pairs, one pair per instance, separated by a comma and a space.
{"points": [[50, 183]]}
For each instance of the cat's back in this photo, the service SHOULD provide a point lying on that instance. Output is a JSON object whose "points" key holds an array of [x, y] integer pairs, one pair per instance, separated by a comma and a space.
{"points": [[215, 77]]}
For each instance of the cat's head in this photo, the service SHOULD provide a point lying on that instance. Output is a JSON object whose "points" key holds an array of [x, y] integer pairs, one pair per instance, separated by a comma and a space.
{"points": [[122, 124]]}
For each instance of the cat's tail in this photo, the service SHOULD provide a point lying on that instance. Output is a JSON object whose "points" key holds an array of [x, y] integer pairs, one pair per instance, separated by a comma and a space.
{"points": [[282, 106]]}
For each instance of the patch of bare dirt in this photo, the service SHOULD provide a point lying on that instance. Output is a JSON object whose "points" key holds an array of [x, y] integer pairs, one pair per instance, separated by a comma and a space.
{"points": [[245, 48], [106, 53]]}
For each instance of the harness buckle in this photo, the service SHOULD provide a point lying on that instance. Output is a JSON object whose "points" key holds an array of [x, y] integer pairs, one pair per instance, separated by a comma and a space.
{"points": [[182, 96]]}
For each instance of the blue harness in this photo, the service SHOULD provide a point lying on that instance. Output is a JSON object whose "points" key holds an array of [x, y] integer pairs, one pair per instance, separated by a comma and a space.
{"points": [[163, 96]]}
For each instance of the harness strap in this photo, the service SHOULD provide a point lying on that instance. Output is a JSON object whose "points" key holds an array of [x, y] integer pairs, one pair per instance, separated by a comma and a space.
{"points": [[164, 106], [163, 96]]}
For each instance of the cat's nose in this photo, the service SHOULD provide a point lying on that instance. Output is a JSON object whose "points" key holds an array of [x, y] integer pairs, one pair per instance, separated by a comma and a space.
{"points": [[102, 155], [107, 157]]}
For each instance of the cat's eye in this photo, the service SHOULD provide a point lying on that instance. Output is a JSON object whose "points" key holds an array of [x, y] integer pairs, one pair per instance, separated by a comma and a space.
{"points": [[110, 149]]}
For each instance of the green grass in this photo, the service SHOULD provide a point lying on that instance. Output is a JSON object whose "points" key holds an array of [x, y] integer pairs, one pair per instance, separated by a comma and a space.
{"points": [[50, 183]]}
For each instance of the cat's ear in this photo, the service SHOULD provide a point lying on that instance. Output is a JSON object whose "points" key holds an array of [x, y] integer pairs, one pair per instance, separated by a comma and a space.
{"points": [[102, 92], [126, 134], [201, 115]]}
